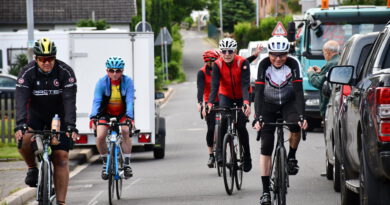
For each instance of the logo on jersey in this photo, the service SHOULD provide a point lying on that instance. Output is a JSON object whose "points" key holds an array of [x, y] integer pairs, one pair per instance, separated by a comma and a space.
{"points": [[21, 81], [245, 67], [71, 80], [56, 83]]}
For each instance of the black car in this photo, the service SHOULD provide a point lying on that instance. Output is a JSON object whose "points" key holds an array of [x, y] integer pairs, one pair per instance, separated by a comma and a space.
{"points": [[365, 129], [355, 53]]}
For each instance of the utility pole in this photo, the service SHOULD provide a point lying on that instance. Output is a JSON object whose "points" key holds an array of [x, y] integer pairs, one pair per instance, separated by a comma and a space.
{"points": [[220, 17], [276, 8], [257, 13], [30, 28], [143, 16]]}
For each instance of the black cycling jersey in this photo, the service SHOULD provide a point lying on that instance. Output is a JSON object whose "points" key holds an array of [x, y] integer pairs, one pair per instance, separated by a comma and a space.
{"points": [[42, 95], [288, 90]]}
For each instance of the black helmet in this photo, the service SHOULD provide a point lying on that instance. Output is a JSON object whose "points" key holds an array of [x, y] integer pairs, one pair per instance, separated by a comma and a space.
{"points": [[45, 47]]}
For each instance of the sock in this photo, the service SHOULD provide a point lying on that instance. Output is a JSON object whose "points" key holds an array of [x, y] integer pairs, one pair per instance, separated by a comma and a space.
{"points": [[127, 158], [266, 184], [291, 153], [211, 155]]}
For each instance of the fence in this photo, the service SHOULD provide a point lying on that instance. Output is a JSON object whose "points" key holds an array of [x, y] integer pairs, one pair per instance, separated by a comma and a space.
{"points": [[7, 115]]}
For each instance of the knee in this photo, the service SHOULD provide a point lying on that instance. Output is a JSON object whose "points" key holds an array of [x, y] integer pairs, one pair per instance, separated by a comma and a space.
{"points": [[60, 159]]}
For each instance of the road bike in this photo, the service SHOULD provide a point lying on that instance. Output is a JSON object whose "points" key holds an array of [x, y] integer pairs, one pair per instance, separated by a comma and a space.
{"points": [[45, 187], [114, 164], [232, 150], [279, 169], [217, 132]]}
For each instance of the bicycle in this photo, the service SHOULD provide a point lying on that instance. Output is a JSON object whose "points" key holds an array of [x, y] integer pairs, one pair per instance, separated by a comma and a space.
{"points": [[279, 173], [217, 131], [232, 151], [114, 164], [45, 188]]}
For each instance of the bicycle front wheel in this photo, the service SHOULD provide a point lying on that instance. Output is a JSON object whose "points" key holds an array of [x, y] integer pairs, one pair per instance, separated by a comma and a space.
{"points": [[121, 170], [281, 177], [239, 171], [111, 175], [228, 163], [44, 188]]}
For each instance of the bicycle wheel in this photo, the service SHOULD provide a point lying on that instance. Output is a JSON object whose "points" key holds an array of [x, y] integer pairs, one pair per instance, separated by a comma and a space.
{"points": [[228, 163], [120, 169], [44, 196], [216, 135], [239, 171], [111, 175], [281, 177]]}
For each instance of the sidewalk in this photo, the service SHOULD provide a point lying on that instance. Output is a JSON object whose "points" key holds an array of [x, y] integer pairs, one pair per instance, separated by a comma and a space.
{"points": [[14, 191]]}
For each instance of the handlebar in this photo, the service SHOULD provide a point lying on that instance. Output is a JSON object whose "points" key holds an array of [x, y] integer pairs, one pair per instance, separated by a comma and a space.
{"points": [[278, 124], [40, 132]]}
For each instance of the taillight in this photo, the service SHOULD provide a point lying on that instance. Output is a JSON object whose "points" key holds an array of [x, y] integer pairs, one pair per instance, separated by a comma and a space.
{"points": [[144, 138], [82, 140], [384, 134], [346, 90], [382, 101]]}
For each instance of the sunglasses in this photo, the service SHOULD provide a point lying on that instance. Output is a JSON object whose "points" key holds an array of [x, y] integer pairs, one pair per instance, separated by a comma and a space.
{"points": [[227, 51], [46, 59], [280, 55], [114, 70]]}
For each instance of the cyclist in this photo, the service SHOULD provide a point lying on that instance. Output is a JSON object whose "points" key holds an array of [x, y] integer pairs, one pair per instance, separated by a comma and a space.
{"points": [[114, 97], [204, 85], [278, 89], [230, 80], [45, 87]]}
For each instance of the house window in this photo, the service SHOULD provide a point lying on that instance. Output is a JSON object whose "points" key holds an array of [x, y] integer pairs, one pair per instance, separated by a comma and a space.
{"points": [[13, 53]]}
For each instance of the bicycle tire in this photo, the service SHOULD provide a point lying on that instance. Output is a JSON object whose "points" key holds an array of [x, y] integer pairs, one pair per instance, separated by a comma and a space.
{"points": [[281, 171], [119, 182], [111, 175], [45, 187], [228, 163], [239, 171], [216, 135]]}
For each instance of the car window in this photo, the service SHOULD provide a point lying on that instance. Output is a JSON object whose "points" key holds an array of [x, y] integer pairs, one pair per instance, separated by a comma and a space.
{"points": [[363, 57], [345, 54], [368, 65], [386, 64], [7, 82]]}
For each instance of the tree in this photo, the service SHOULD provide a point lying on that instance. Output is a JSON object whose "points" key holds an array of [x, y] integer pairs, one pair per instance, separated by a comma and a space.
{"points": [[233, 12], [183, 8]]}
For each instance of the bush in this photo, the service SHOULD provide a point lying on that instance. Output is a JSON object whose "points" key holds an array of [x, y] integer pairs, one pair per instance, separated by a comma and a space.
{"points": [[189, 22], [21, 60], [175, 71], [159, 74], [99, 24]]}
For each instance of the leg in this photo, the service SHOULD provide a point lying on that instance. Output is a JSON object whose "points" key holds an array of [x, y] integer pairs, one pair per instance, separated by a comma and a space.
{"points": [[126, 148], [28, 156], [267, 144], [101, 144], [210, 120], [61, 173], [244, 139]]}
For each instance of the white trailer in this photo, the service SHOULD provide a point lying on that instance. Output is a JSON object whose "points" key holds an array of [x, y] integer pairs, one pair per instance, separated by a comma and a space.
{"points": [[86, 52]]}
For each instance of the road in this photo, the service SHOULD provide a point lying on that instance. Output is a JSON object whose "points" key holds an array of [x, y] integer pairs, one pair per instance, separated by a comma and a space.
{"points": [[182, 176]]}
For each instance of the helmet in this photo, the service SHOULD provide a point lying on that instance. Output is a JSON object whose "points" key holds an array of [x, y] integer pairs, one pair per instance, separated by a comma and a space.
{"points": [[45, 47], [278, 44], [210, 55], [228, 43], [115, 62]]}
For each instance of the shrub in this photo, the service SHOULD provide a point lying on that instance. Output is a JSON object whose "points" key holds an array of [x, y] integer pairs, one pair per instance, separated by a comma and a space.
{"points": [[21, 60]]}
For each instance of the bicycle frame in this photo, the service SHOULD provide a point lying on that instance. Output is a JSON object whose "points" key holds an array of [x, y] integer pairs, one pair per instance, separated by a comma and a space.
{"points": [[114, 141], [45, 160]]}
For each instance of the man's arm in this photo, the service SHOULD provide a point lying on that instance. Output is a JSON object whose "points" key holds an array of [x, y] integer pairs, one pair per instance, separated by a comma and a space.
{"points": [[251, 58], [130, 98], [23, 93], [245, 81], [260, 86], [316, 79], [69, 94], [215, 76], [200, 86]]}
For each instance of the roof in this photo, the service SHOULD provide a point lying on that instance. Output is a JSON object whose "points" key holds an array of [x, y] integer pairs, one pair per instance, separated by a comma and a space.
{"points": [[67, 11]]}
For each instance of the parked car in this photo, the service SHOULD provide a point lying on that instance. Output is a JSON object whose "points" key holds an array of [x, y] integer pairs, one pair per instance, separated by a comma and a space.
{"points": [[7, 83], [354, 53], [365, 129]]}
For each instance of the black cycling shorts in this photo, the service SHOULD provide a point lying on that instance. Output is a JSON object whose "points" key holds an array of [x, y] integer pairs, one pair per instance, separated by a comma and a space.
{"points": [[37, 123]]}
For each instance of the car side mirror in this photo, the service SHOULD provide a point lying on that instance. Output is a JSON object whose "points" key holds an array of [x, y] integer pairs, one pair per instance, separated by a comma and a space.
{"points": [[341, 74], [159, 95]]}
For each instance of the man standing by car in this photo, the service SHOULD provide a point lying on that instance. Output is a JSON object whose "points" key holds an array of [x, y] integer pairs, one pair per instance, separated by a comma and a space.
{"points": [[45, 87], [317, 76]]}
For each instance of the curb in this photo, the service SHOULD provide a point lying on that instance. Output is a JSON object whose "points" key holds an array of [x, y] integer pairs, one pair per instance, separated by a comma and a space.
{"points": [[167, 94], [76, 157]]}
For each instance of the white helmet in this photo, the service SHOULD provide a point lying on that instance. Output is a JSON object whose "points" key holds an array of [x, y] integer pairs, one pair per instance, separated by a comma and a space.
{"points": [[228, 43], [278, 44]]}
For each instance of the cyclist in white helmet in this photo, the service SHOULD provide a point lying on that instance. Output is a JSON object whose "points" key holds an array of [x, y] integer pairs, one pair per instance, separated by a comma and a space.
{"points": [[278, 89], [230, 81]]}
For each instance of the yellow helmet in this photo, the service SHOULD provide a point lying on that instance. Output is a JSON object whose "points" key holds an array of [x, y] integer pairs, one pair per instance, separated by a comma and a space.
{"points": [[45, 47]]}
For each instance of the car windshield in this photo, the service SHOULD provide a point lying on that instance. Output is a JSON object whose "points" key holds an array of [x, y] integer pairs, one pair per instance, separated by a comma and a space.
{"points": [[338, 32], [7, 82]]}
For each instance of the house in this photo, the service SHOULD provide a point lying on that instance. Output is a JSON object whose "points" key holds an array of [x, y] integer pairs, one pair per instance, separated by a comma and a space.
{"points": [[64, 14]]}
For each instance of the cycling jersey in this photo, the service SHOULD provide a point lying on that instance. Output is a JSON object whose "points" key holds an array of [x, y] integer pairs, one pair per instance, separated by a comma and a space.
{"points": [[204, 84], [103, 94], [115, 104], [230, 80], [42, 95], [279, 85]]}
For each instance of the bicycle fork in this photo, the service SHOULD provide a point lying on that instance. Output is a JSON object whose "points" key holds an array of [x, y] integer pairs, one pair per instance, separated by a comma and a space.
{"points": [[114, 149]]}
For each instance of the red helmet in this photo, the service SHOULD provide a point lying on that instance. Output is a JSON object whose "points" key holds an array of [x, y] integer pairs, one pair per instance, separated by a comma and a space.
{"points": [[210, 55]]}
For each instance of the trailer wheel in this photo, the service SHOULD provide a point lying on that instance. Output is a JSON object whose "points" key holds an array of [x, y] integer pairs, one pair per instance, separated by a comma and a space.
{"points": [[159, 148]]}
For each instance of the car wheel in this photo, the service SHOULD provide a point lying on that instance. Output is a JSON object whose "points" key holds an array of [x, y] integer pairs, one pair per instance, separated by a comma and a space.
{"points": [[329, 169], [347, 196], [336, 175]]}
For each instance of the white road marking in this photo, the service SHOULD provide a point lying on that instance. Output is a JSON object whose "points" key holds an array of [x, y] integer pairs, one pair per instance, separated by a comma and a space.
{"points": [[93, 200]]}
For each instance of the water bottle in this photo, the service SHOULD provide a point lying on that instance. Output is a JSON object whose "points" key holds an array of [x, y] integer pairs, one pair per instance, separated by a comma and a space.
{"points": [[56, 126]]}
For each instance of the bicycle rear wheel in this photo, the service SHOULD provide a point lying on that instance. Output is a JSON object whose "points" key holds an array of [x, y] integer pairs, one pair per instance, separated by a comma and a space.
{"points": [[119, 181], [111, 175], [216, 135], [280, 177], [228, 163], [239, 171]]}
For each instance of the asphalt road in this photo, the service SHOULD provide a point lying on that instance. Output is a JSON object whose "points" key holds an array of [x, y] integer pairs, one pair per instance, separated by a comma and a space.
{"points": [[182, 176]]}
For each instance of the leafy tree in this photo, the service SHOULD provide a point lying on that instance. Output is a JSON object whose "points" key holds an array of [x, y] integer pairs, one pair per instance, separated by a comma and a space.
{"points": [[99, 24], [294, 6], [21, 60], [183, 8], [232, 12]]}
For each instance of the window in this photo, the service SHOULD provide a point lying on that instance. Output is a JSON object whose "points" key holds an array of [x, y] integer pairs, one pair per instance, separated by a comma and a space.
{"points": [[13, 53], [363, 57], [7, 82]]}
